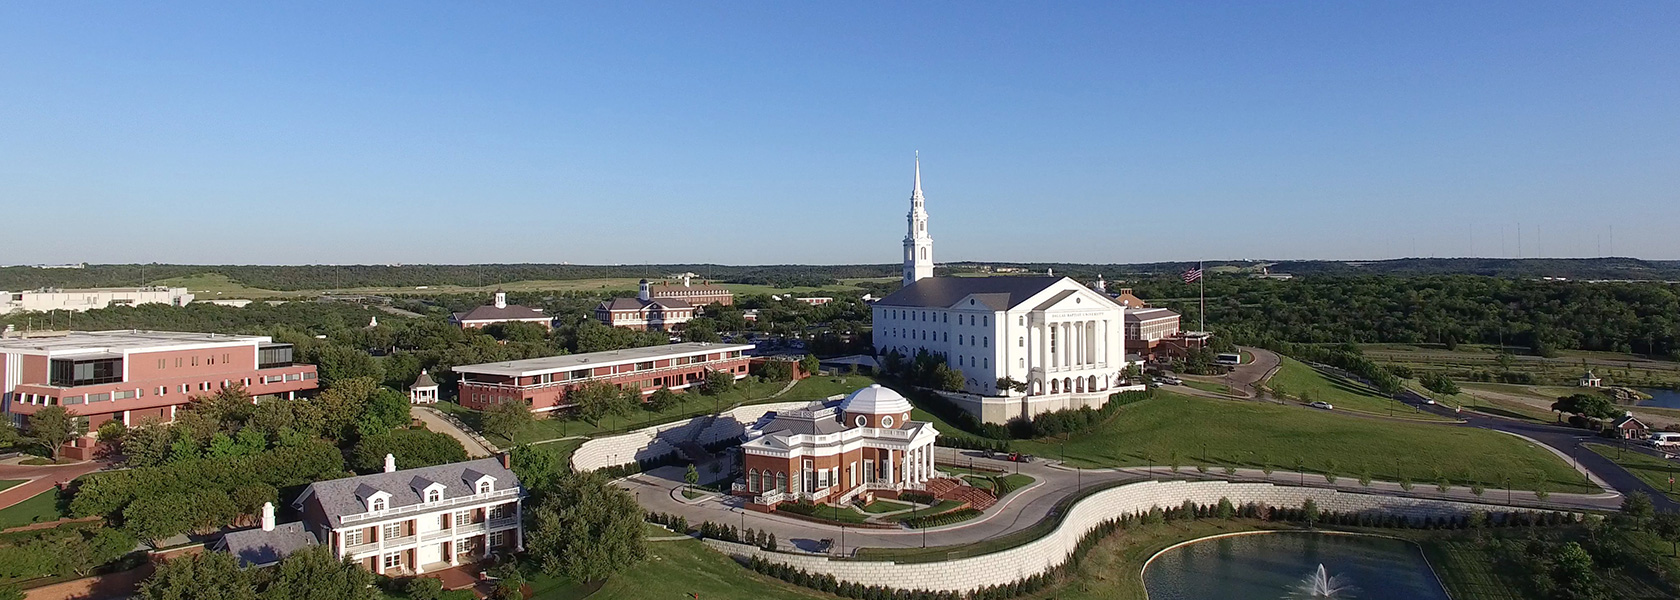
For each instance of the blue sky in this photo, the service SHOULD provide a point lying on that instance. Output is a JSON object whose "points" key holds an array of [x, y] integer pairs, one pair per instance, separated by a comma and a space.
{"points": [[783, 132]]}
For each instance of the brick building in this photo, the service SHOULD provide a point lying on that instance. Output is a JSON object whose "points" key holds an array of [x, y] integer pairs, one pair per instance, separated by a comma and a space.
{"points": [[499, 311], [695, 295], [544, 383], [834, 451], [133, 376], [645, 312]]}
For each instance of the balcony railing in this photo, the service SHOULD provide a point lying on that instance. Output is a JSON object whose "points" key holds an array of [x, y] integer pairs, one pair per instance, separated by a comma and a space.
{"points": [[361, 548], [538, 386], [427, 507]]}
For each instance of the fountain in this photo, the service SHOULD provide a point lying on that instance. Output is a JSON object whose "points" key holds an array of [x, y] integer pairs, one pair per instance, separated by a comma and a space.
{"points": [[1321, 585]]}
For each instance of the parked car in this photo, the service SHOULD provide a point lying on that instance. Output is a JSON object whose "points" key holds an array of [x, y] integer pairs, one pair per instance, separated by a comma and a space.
{"points": [[1429, 401], [1018, 457], [1322, 404]]}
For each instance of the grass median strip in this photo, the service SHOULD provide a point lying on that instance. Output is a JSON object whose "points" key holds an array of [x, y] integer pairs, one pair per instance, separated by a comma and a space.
{"points": [[1190, 431]]}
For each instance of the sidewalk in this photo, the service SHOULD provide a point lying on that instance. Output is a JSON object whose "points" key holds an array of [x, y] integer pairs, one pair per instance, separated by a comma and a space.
{"points": [[39, 479], [476, 447]]}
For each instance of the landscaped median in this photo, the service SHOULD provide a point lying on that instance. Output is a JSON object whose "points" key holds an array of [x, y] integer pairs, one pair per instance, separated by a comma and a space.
{"points": [[1027, 566], [1174, 429]]}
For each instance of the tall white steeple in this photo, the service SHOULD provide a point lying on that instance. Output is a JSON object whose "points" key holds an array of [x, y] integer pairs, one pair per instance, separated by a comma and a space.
{"points": [[918, 247]]}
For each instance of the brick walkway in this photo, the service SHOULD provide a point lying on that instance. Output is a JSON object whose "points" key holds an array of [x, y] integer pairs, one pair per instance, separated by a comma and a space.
{"points": [[40, 479]]}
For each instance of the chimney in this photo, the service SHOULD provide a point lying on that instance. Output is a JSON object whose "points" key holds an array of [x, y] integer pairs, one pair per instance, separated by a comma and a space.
{"points": [[268, 516], [685, 280], [501, 299], [507, 460], [646, 294], [390, 463]]}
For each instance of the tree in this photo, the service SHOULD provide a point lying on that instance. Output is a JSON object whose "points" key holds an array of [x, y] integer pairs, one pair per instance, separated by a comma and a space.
{"points": [[52, 426], [1439, 383], [313, 574], [424, 588], [414, 448], [200, 576], [948, 379], [385, 410], [537, 469], [585, 529], [692, 476], [809, 364], [1637, 510], [1667, 527], [663, 399], [338, 362], [597, 399], [700, 330], [507, 418], [717, 382], [1309, 511], [1587, 405]]}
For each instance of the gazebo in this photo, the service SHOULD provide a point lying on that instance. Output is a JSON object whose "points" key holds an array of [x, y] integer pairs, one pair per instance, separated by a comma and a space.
{"points": [[424, 390]]}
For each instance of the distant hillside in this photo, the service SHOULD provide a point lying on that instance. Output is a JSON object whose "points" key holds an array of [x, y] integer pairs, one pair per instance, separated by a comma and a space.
{"points": [[327, 277]]}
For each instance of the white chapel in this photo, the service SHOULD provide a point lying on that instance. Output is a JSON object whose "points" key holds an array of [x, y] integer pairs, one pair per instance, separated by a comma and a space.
{"points": [[1063, 339]]}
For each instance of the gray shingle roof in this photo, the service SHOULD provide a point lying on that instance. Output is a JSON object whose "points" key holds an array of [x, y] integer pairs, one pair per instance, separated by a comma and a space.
{"points": [[255, 547], [347, 496], [997, 293], [491, 313], [639, 304], [425, 380]]}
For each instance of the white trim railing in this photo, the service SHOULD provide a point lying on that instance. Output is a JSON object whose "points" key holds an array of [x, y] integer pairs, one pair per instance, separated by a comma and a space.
{"points": [[428, 507], [538, 386]]}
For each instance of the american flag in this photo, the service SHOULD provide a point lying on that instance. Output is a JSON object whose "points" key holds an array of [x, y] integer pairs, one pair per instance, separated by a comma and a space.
{"points": [[1193, 275]]}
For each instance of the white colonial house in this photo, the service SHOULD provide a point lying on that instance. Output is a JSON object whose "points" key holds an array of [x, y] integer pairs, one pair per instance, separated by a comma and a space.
{"points": [[1066, 341]]}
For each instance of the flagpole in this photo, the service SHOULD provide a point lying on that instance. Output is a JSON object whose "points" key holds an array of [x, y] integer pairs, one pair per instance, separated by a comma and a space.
{"points": [[1201, 287]]}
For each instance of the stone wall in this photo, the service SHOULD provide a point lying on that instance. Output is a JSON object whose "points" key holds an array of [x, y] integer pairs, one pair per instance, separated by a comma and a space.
{"points": [[1002, 409], [968, 574], [660, 440]]}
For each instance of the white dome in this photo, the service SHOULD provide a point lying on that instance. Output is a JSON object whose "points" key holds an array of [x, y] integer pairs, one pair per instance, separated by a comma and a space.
{"points": [[875, 400]]}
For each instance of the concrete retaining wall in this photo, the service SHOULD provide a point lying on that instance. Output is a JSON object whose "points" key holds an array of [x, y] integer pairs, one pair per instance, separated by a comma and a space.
{"points": [[660, 440], [968, 574]]}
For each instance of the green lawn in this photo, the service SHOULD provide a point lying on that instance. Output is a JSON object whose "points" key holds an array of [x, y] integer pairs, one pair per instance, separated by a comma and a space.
{"points": [[1299, 380], [693, 405], [1173, 427], [1650, 469], [6, 484], [943, 506], [40, 508], [831, 513], [1207, 386], [885, 506]]}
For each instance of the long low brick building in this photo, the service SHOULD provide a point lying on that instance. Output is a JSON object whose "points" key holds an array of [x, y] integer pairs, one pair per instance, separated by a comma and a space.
{"points": [[544, 383], [137, 376]]}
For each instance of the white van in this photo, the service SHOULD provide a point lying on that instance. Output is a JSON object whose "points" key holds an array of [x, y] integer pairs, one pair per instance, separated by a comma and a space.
{"points": [[1664, 438]]}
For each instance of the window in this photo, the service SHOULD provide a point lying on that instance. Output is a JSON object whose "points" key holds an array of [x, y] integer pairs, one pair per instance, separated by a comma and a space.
{"points": [[163, 390], [959, 340], [160, 364], [186, 388], [67, 372], [393, 560], [752, 481], [390, 531], [376, 504], [501, 512], [434, 495], [861, 420], [498, 539], [72, 400], [353, 537], [225, 358], [985, 342], [483, 487], [887, 421], [195, 361], [463, 517], [781, 481], [177, 361], [126, 394], [92, 398], [210, 360]]}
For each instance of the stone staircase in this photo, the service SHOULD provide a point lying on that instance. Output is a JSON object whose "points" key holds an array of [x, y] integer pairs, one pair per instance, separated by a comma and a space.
{"points": [[948, 488], [690, 447]]}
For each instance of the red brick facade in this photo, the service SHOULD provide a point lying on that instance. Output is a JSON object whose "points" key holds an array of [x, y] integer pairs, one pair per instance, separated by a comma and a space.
{"points": [[547, 389]]}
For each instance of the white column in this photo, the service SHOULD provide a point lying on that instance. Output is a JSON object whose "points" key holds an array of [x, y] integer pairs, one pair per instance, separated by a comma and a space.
{"points": [[519, 527], [454, 560], [890, 472], [338, 546]]}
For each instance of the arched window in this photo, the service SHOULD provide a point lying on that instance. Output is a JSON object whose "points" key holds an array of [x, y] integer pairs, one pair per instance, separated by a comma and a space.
{"points": [[1067, 385], [433, 495], [1092, 385], [377, 504], [752, 480], [924, 253], [1080, 385], [1055, 387], [781, 481], [484, 487]]}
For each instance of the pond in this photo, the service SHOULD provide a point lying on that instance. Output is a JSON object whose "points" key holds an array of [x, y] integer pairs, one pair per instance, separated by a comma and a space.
{"points": [[1280, 565], [1661, 398]]}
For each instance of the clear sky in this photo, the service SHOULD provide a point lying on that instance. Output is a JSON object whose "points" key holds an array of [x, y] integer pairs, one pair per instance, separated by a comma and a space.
{"points": [[461, 132]]}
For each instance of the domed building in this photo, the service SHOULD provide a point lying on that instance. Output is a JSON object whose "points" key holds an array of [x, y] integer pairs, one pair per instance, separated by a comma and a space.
{"points": [[833, 451]]}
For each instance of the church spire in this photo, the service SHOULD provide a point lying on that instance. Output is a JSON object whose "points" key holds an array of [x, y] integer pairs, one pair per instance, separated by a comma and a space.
{"points": [[918, 246]]}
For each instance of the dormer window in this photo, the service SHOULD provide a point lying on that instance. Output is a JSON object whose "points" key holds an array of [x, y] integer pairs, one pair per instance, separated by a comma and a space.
{"points": [[483, 487], [376, 504], [433, 495]]}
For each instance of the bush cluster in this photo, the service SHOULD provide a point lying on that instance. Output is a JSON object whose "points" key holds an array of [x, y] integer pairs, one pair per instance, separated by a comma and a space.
{"points": [[944, 518]]}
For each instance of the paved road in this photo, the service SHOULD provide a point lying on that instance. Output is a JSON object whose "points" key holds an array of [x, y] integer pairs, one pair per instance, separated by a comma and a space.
{"points": [[1566, 441], [1248, 377], [659, 491], [436, 422], [39, 479]]}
